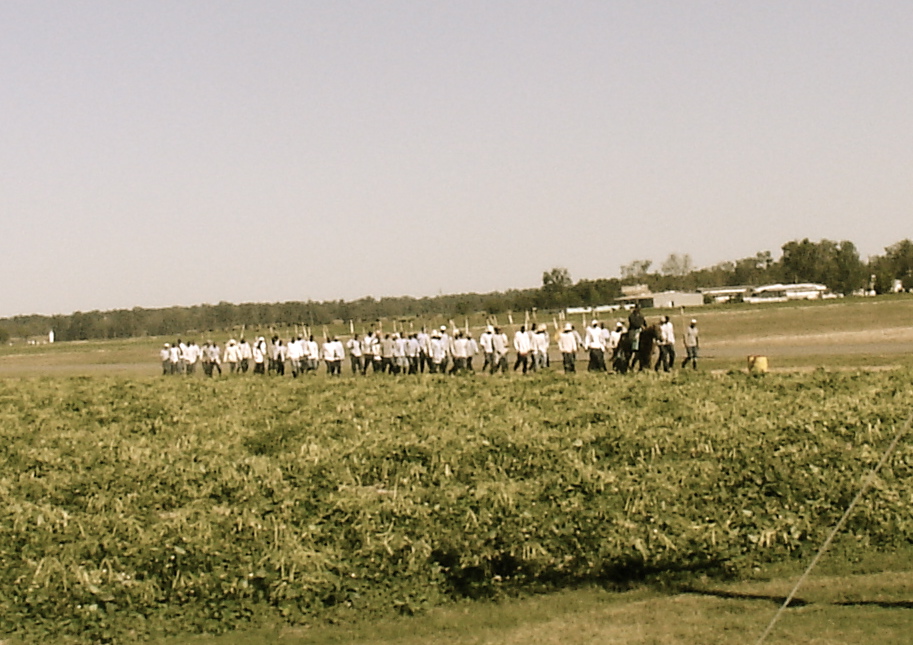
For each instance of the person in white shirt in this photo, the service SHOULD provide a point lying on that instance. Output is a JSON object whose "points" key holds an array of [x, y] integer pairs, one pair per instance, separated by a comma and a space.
{"points": [[367, 351], [246, 354], [280, 353], [213, 358], [232, 355], [460, 353], [400, 360], [260, 355], [499, 351], [447, 344], [595, 343], [533, 347], [339, 354], [691, 344], [165, 355], [355, 354], [191, 357], [313, 354], [329, 353], [175, 357], [377, 358], [522, 347], [295, 352], [424, 351], [541, 343], [413, 353], [486, 347], [568, 346], [436, 353], [666, 346], [472, 348], [613, 345]]}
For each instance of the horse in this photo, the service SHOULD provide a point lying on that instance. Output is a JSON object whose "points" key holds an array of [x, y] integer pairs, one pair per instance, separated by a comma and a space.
{"points": [[625, 357]]}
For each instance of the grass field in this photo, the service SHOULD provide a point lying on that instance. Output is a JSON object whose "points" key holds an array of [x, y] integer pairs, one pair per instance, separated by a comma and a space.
{"points": [[847, 333], [655, 508]]}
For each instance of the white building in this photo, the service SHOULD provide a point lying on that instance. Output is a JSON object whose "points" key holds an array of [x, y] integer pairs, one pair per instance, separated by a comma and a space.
{"points": [[786, 292]]}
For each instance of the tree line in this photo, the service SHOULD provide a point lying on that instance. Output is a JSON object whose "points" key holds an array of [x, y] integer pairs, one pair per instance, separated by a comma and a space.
{"points": [[835, 264]]}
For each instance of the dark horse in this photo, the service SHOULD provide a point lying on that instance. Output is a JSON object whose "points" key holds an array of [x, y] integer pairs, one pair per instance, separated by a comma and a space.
{"points": [[626, 358]]}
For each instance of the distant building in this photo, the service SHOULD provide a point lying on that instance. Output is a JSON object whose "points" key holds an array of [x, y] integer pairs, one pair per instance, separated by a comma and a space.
{"points": [[599, 309], [726, 294], [786, 292], [664, 300]]}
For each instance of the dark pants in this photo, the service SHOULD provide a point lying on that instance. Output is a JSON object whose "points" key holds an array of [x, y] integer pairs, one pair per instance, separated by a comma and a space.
{"points": [[569, 362], [356, 364], [522, 359], [690, 355], [597, 360], [666, 358]]}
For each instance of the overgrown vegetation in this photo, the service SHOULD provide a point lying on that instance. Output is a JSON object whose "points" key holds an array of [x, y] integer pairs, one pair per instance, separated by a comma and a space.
{"points": [[133, 508]]}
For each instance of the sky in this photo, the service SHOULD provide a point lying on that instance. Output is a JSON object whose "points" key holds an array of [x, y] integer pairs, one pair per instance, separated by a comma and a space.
{"points": [[158, 153]]}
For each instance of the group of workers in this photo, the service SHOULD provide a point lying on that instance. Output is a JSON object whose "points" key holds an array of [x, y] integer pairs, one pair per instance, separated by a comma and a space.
{"points": [[440, 351]]}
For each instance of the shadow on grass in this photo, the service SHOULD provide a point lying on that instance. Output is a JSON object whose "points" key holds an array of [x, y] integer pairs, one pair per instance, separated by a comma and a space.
{"points": [[735, 595]]}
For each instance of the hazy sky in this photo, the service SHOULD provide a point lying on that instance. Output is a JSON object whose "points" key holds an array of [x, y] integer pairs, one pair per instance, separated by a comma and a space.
{"points": [[157, 153]]}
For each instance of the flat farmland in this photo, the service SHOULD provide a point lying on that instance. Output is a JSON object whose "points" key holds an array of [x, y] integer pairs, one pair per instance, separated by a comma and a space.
{"points": [[860, 333]]}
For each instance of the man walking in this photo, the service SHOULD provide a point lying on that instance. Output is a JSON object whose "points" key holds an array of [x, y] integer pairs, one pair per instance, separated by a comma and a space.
{"points": [[691, 344], [567, 345]]}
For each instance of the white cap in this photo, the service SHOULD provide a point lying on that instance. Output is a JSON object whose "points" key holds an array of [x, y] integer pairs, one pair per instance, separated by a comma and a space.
{"points": [[567, 326]]}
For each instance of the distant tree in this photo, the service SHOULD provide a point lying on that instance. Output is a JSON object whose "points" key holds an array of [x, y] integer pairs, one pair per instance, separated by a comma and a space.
{"points": [[900, 262], [556, 285], [847, 272], [636, 270], [677, 265], [834, 264]]}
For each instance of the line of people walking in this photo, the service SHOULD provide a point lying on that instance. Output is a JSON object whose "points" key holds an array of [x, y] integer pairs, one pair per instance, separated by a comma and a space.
{"points": [[437, 352]]}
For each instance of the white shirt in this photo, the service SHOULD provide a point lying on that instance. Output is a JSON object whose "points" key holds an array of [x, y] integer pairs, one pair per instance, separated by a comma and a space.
{"points": [[614, 338], [295, 350], [567, 342], [521, 342], [460, 348], [499, 344], [437, 350], [485, 342], [594, 339], [354, 347], [192, 353], [232, 353]]}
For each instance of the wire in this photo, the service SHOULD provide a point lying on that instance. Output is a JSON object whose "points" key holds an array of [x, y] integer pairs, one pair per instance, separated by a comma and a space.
{"points": [[865, 486]]}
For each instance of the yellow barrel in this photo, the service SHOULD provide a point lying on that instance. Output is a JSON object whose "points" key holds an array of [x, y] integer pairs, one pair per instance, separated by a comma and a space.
{"points": [[757, 364]]}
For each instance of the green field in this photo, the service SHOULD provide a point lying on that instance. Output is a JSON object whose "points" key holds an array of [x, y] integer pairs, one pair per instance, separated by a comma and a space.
{"points": [[650, 508], [143, 506]]}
